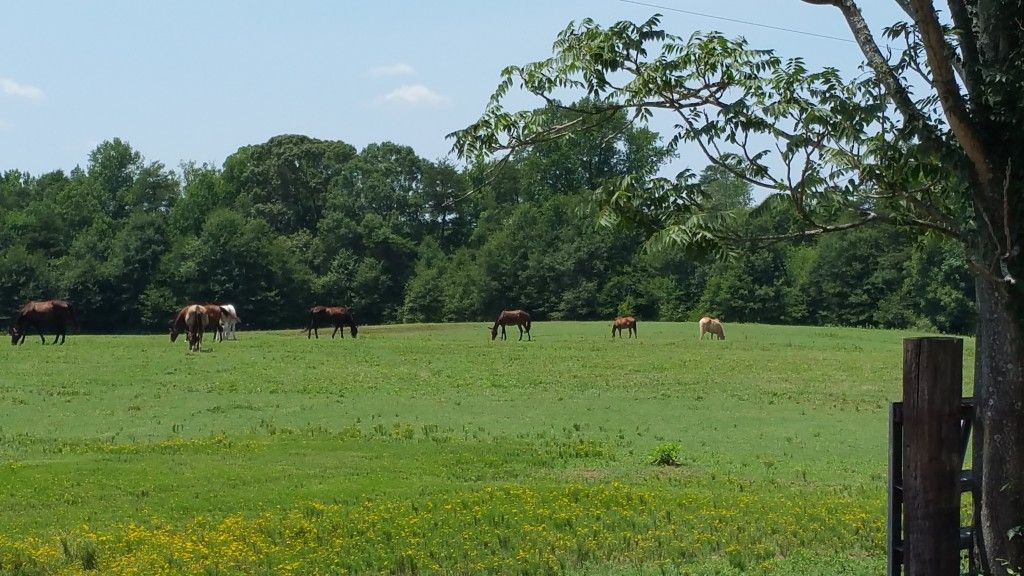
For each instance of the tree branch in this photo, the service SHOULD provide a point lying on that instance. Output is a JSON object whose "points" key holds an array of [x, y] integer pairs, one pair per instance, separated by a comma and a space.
{"points": [[953, 103], [871, 217], [899, 93], [968, 48]]}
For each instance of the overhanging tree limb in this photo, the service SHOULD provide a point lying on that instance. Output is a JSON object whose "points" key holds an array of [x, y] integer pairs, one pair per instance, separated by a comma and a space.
{"points": [[953, 103], [894, 87]]}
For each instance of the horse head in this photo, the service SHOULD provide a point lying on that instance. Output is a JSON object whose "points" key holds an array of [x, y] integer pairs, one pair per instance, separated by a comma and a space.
{"points": [[173, 330], [494, 331], [354, 330], [15, 334]]}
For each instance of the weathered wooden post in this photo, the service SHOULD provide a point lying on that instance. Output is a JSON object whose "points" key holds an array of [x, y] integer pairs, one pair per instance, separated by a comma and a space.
{"points": [[932, 386]]}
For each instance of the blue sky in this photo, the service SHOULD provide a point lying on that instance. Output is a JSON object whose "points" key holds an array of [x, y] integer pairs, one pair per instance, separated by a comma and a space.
{"points": [[195, 80]]}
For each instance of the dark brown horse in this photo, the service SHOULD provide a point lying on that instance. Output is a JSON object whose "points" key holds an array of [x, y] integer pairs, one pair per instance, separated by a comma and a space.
{"points": [[39, 314], [512, 318], [624, 322], [214, 314], [337, 316]]}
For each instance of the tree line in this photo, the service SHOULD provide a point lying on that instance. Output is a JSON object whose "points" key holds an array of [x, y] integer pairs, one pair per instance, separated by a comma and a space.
{"points": [[296, 221]]}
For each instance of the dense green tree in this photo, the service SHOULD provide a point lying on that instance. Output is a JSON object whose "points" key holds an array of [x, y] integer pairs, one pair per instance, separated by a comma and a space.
{"points": [[938, 289], [466, 289], [86, 279], [122, 182], [203, 191], [132, 264], [748, 287], [447, 209], [424, 293], [24, 275], [854, 277], [283, 181]]}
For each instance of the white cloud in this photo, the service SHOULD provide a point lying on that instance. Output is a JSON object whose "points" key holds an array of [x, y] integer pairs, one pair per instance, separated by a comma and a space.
{"points": [[415, 95], [399, 69], [12, 88]]}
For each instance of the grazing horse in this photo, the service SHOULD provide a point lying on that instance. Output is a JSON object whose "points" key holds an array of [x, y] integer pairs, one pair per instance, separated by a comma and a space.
{"points": [[40, 314], [196, 320], [228, 321], [509, 318], [624, 322], [338, 316], [711, 325], [214, 314]]}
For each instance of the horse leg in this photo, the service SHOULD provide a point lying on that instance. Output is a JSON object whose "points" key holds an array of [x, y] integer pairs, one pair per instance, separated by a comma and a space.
{"points": [[336, 331], [520, 326]]}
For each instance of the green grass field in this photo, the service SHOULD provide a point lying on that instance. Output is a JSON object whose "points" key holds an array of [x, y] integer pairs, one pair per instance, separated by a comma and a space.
{"points": [[431, 449]]}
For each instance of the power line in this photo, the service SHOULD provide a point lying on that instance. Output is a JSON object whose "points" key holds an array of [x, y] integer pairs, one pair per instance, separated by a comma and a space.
{"points": [[747, 22]]}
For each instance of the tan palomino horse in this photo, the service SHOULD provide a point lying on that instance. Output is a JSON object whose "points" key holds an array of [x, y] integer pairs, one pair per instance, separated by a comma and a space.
{"points": [[711, 325]]}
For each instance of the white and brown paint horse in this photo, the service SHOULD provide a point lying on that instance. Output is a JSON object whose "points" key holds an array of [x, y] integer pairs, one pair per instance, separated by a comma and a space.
{"points": [[228, 321]]}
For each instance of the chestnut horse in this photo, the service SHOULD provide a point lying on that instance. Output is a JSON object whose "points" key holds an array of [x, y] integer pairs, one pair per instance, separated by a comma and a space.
{"points": [[214, 315], [337, 316], [512, 318], [624, 322], [196, 320], [711, 325], [40, 314]]}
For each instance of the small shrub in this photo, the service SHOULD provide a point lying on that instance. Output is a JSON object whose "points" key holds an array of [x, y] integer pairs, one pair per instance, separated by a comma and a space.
{"points": [[665, 454]]}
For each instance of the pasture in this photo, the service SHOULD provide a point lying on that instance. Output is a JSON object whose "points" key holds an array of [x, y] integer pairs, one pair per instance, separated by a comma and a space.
{"points": [[432, 449]]}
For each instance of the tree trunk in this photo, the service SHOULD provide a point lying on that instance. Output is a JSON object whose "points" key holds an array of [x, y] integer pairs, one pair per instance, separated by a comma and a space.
{"points": [[999, 425]]}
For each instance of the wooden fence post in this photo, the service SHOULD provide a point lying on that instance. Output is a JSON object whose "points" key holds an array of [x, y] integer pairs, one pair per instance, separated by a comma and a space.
{"points": [[932, 386]]}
